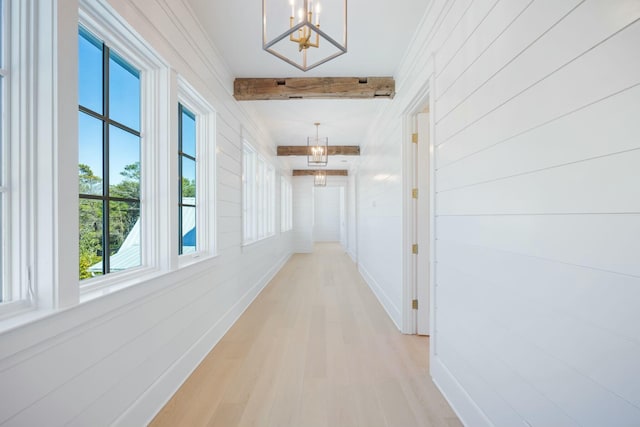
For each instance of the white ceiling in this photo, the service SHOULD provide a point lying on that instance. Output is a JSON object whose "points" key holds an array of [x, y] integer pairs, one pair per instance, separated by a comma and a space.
{"points": [[378, 34]]}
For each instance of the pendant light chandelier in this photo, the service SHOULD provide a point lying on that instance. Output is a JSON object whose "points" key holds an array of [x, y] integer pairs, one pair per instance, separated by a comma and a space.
{"points": [[317, 149], [320, 179], [294, 35]]}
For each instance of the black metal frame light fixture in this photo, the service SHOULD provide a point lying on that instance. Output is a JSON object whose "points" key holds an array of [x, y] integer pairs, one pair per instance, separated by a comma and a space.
{"points": [[317, 149], [301, 32]]}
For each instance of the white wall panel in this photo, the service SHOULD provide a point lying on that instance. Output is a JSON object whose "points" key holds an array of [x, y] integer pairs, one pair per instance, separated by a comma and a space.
{"points": [[613, 67], [537, 273], [584, 187], [326, 220], [379, 218], [587, 26], [537, 18], [587, 133], [303, 211], [479, 38], [352, 216], [581, 292], [606, 242]]}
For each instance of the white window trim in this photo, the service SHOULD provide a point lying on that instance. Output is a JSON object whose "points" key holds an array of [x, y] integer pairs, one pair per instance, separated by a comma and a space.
{"points": [[248, 207], [103, 22], [264, 202], [17, 179], [286, 205], [206, 223]]}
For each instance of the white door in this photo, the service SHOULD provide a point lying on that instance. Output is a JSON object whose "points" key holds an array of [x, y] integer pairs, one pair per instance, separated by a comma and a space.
{"points": [[422, 224]]}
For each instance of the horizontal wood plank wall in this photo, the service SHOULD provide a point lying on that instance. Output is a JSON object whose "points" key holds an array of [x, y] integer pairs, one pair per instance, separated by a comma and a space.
{"points": [[538, 206], [119, 358], [303, 214]]}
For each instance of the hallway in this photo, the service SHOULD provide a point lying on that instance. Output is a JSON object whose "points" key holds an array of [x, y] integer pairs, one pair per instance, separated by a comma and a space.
{"points": [[314, 349]]}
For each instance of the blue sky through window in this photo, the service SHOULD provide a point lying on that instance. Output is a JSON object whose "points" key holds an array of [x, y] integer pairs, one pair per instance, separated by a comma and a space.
{"points": [[124, 107]]}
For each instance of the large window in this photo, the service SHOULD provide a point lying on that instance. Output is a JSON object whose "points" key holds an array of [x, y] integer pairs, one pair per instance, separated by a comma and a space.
{"points": [[258, 185], [187, 235], [109, 159], [196, 175], [286, 205], [5, 293]]}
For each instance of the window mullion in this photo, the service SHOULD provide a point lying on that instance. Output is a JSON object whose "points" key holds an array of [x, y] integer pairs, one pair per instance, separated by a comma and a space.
{"points": [[180, 178], [106, 244]]}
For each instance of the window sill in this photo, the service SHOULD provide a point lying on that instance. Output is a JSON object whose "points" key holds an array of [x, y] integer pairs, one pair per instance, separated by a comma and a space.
{"points": [[98, 287], [257, 241], [194, 258], [18, 313]]}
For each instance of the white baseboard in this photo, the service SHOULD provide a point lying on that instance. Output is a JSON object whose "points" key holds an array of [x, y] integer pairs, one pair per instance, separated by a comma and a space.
{"points": [[462, 404], [391, 309], [352, 255], [142, 411]]}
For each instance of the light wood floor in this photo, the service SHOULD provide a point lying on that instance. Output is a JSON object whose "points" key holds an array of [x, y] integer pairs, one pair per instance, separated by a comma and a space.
{"points": [[314, 349]]}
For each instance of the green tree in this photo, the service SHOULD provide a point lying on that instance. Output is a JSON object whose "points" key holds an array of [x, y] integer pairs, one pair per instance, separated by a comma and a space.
{"points": [[188, 188], [90, 216], [89, 182], [123, 215]]}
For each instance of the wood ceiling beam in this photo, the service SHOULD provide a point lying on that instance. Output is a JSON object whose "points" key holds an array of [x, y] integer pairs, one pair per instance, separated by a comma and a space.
{"points": [[253, 89], [311, 172], [334, 150]]}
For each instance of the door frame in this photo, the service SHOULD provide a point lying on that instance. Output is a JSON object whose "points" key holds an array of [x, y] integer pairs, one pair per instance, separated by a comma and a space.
{"points": [[423, 99]]}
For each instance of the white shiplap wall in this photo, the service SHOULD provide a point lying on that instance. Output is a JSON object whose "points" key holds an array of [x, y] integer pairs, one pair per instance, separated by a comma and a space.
{"points": [[307, 227], [537, 313], [303, 214], [326, 219], [352, 193], [118, 358], [379, 220]]}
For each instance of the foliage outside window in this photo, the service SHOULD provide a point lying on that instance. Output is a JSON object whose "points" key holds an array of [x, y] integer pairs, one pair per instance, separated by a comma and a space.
{"points": [[109, 159], [187, 198]]}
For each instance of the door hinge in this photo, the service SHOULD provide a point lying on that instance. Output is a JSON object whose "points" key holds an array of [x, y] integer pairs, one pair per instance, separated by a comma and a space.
{"points": [[414, 304], [414, 193], [414, 138], [414, 248]]}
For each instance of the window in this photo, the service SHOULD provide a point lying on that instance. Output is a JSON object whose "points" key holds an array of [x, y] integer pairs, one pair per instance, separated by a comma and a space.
{"points": [[248, 191], [5, 292], [286, 205], [270, 200], [258, 185], [196, 174], [187, 235], [109, 159]]}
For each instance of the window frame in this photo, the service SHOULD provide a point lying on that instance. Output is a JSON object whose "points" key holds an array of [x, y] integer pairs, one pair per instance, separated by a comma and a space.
{"points": [[108, 122], [286, 205], [258, 196], [206, 222], [182, 110], [17, 179], [113, 31], [6, 285]]}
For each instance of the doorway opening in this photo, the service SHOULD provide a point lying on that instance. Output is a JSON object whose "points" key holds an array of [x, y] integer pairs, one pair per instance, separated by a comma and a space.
{"points": [[330, 214], [417, 199]]}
